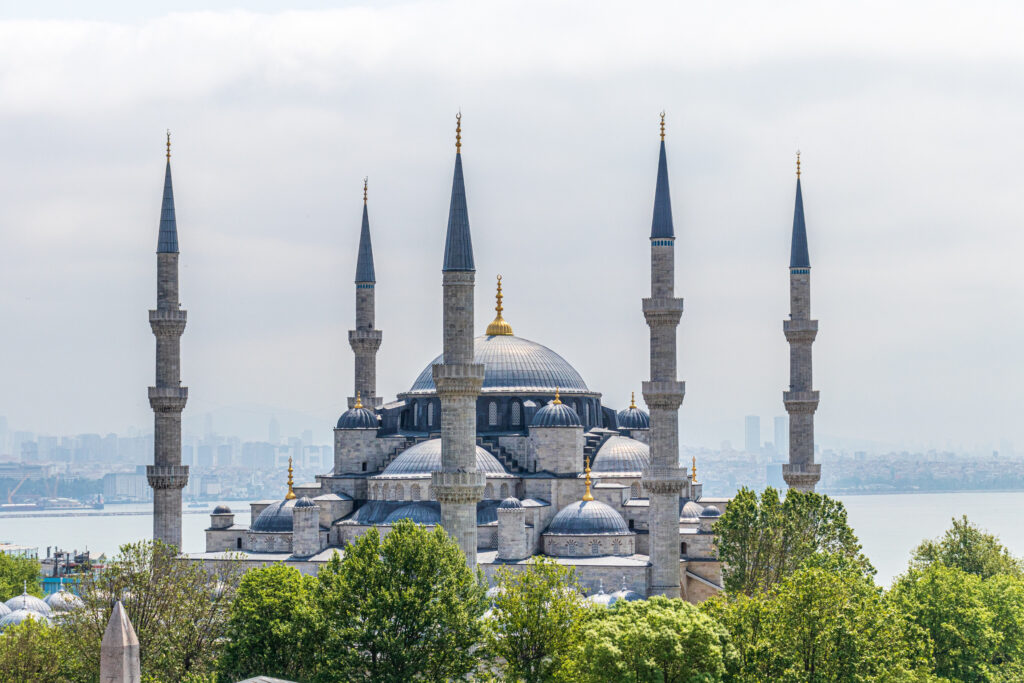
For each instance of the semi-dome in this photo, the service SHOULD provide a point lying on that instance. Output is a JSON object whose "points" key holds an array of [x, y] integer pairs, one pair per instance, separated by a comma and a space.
{"points": [[588, 517], [556, 414], [425, 457], [632, 417], [305, 502], [222, 510], [420, 513], [621, 456], [29, 602], [20, 615], [711, 511], [63, 601], [691, 509], [358, 418], [513, 364], [276, 517]]}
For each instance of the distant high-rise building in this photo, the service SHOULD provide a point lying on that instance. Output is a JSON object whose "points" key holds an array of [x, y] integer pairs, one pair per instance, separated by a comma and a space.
{"points": [[752, 434], [781, 436], [275, 431]]}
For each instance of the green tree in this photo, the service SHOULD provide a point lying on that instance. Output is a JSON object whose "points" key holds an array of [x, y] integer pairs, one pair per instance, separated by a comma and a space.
{"points": [[826, 621], [16, 573], [760, 542], [1003, 594], [536, 621], [269, 629], [179, 609], [948, 606], [660, 640], [405, 608], [968, 548], [35, 651]]}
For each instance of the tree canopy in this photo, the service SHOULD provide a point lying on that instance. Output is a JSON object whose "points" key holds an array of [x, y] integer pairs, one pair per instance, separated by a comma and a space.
{"points": [[17, 573], [970, 549]]}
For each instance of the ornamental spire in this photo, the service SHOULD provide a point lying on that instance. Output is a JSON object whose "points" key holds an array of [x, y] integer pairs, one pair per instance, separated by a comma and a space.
{"points": [[499, 326], [167, 242], [798, 256], [632, 400], [364, 261], [557, 400], [694, 475], [458, 246], [291, 494], [359, 401], [661, 225], [587, 497]]}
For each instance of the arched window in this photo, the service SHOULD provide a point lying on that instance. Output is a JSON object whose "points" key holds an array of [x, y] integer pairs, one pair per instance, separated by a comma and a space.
{"points": [[595, 547], [430, 414], [634, 490], [516, 416], [682, 549], [414, 491], [415, 414], [492, 414], [617, 547], [571, 547], [399, 492], [631, 522], [385, 491], [239, 540], [504, 491], [489, 491], [586, 407]]}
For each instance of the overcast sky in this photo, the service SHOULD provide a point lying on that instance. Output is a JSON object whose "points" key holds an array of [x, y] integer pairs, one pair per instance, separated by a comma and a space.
{"points": [[908, 116]]}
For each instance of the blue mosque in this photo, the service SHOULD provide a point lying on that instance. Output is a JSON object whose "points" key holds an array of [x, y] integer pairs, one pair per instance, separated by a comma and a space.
{"points": [[499, 440]]}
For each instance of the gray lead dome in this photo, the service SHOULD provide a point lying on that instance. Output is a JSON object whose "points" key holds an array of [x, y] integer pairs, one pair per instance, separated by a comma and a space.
{"points": [[276, 517], [556, 415], [425, 457], [620, 455], [588, 517], [358, 418]]}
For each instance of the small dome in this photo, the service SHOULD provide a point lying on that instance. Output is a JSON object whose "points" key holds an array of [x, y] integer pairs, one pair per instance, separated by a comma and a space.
{"points": [[419, 513], [29, 602], [632, 417], [63, 601], [510, 504], [275, 518], [304, 502], [691, 509], [4, 610], [625, 594], [425, 457], [358, 418], [222, 510], [601, 598], [588, 517], [711, 511], [621, 456], [20, 615], [556, 415]]}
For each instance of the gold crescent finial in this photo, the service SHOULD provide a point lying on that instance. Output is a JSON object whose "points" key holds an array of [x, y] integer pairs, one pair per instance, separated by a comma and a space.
{"points": [[366, 185], [458, 132], [557, 400], [694, 475], [632, 400], [798, 163], [588, 496], [663, 124], [168, 144], [291, 494], [499, 326], [359, 402]]}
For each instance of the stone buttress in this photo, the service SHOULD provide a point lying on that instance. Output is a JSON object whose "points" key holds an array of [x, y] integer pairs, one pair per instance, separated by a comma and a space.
{"points": [[664, 480], [801, 400], [459, 485], [167, 475], [365, 340]]}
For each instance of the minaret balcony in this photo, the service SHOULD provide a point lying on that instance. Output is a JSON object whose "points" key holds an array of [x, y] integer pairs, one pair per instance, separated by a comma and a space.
{"points": [[800, 401], [167, 476], [364, 339], [168, 399], [664, 394], [800, 329], [662, 311], [167, 321]]}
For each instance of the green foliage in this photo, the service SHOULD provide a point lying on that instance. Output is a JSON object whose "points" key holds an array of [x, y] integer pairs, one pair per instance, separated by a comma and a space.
{"points": [[536, 621], [35, 651], [823, 622], [269, 624], [179, 610], [660, 640], [968, 548], [762, 541], [405, 608], [15, 574]]}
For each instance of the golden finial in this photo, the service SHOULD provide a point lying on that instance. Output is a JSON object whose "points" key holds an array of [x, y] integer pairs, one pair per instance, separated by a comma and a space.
{"points": [[359, 402], [168, 144], [291, 494], [798, 163], [694, 475], [499, 326], [587, 496], [632, 400], [663, 124], [557, 401], [366, 183], [458, 133]]}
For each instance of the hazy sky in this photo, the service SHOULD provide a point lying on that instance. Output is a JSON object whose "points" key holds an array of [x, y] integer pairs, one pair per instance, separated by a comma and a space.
{"points": [[908, 115]]}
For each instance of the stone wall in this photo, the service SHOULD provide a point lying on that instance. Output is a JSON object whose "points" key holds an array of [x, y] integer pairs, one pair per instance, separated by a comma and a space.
{"points": [[589, 545]]}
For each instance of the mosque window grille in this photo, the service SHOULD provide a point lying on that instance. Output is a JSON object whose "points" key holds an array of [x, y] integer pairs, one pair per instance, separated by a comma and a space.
{"points": [[504, 491], [492, 414], [385, 491], [595, 547], [516, 414], [571, 547], [634, 490], [617, 547], [430, 414], [489, 491], [414, 492], [399, 492]]}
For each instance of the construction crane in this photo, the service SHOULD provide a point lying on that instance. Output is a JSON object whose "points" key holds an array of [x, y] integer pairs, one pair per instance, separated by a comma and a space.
{"points": [[11, 492]]}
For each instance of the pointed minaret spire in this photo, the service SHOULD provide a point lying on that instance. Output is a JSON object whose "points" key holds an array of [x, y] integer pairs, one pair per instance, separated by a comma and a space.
{"points": [[167, 243], [458, 245], [365, 339], [661, 226], [798, 257], [364, 263], [119, 649]]}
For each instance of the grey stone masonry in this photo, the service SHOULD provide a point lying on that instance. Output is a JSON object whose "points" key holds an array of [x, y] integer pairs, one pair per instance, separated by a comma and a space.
{"points": [[167, 475], [119, 649], [305, 530], [512, 540], [459, 486], [801, 472], [365, 341], [664, 480]]}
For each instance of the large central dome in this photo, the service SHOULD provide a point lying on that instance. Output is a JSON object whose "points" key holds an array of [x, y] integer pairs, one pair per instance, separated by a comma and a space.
{"points": [[514, 364]]}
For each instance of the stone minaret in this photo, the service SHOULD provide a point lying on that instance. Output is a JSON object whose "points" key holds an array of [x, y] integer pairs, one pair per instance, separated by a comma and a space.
{"points": [[458, 486], [664, 480], [801, 400], [119, 649], [364, 339], [167, 475]]}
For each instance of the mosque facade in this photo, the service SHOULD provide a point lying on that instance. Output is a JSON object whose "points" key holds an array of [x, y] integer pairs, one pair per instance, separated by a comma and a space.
{"points": [[501, 441]]}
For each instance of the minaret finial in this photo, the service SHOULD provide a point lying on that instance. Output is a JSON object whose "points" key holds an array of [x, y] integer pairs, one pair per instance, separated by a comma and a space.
{"points": [[366, 183], [499, 326], [632, 400], [359, 401], [291, 494], [798, 163], [662, 125], [458, 132], [694, 475], [587, 496], [557, 400], [168, 144]]}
